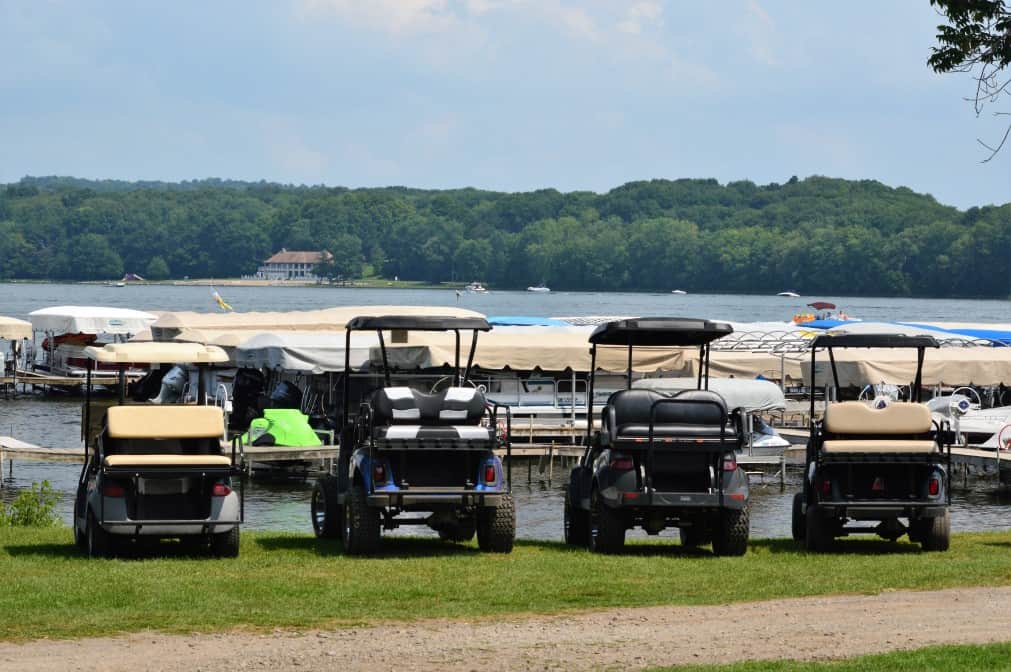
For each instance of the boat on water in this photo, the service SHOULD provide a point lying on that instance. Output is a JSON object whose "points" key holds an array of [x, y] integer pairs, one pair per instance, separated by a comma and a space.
{"points": [[538, 288], [821, 310], [476, 287], [678, 291], [792, 295]]}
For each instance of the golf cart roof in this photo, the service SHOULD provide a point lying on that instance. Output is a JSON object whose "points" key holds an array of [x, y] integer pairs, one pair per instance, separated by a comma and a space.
{"points": [[672, 331], [157, 353], [874, 341], [417, 323]]}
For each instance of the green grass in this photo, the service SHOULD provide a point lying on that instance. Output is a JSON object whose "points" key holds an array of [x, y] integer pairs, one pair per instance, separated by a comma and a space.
{"points": [[931, 659], [283, 580]]}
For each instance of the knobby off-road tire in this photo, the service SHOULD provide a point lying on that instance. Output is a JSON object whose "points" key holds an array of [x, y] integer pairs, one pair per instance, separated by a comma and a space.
{"points": [[695, 536], [575, 526], [461, 532], [817, 537], [606, 528], [226, 544], [798, 523], [937, 536], [97, 541], [731, 534], [327, 515], [361, 523], [496, 526]]}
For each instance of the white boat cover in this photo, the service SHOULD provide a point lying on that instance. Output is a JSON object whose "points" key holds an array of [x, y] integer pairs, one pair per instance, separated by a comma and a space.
{"points": [[751, 395], [90, 320], [13, 329], [310, 352], [213, 327], [941, 366]]}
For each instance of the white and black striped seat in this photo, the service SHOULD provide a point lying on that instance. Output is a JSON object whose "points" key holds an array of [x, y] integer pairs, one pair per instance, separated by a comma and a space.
{"points": [[452, 416]]}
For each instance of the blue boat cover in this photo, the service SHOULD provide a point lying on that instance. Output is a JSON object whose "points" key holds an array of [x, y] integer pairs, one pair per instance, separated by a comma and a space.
{"points": [[525, 321]]}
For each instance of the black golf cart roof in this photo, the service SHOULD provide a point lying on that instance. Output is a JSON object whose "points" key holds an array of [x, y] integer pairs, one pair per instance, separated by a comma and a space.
{"points": [[874, 341], [673, 331], [417, 323]]}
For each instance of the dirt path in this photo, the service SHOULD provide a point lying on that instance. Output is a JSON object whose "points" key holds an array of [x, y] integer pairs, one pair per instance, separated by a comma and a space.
{"points": [[806, 629]]}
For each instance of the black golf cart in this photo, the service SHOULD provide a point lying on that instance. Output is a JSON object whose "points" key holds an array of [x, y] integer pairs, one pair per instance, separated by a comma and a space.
{"points": [[409, 450], [875, 462], [659, 460]]}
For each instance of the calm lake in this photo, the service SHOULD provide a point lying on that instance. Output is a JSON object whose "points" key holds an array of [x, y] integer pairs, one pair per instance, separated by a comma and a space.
{"points": [[539, 504]]}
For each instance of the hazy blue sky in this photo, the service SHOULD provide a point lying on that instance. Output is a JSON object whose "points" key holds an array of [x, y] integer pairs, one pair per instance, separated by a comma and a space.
{"points": [[499, 94]]}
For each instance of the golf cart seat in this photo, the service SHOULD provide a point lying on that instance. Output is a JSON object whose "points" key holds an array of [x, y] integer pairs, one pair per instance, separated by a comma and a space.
{"points": [[899, 427], [160, 436], [687, 415], [451, 415]]}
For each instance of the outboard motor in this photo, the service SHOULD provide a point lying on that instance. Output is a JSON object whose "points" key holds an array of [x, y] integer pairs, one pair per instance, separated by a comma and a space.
{"points": [[286, 395], [172, 386], [248, 400]]}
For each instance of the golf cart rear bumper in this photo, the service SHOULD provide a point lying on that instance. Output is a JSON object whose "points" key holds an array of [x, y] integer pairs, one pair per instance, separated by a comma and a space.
{"points": [[421, 497], [880, 510], [671, 500], [168, 528]]}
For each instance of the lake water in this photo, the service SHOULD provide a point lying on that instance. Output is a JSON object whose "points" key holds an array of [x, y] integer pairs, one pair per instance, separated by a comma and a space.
{"points": [[539, 504]]}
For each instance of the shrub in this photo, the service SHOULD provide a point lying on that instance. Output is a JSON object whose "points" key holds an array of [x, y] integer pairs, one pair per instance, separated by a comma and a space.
{"points": [[32, 508]]}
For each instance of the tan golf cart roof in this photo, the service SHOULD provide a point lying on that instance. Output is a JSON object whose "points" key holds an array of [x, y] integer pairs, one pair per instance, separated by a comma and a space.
{"points": [[157, 353]]}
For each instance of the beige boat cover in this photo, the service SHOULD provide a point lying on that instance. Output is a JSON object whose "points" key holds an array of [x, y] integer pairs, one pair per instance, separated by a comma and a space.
{"points": [[230, 329], [943, 366], [527, 349], [156, 353], [13, 329]]}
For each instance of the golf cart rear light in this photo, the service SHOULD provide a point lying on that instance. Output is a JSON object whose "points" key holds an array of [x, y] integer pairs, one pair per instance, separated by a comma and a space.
{"points": [[729, 463], [934, 486], [878, 485], [489, 473], [625, 496], [220, 490], [113, 490], [826, 487], [379, 473], [622, 463]]}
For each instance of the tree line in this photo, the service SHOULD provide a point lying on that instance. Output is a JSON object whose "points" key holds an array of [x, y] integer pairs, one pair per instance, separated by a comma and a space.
{"points": [[816, 235]]}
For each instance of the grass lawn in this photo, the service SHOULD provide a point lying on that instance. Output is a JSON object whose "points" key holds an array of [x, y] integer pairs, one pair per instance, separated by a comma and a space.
{"points": [[931, 659], [294, 581]]}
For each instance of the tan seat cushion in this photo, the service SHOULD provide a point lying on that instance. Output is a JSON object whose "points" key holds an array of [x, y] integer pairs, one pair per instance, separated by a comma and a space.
{"points": [[167, 461], [165, 422], [880, 446], [856, 417]]}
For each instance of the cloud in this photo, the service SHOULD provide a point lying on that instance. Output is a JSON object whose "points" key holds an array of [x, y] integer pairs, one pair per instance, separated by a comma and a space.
{"points": [[638, 14], [761, 32], [391, 16]]}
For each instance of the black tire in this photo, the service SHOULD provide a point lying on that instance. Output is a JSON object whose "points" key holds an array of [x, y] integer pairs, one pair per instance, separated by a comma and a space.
{"points": [[496, 526], [798, 523], [80, 537], [695, 536], [732, 530], [575, 524], [817, 536], [226, 544], [97, 541], [327, 515], [605, 528], [361, 523], [461, 532], [937, 536]]}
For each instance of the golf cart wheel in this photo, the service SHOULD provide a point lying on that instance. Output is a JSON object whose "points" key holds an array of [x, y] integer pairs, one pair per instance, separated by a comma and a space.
{"points": [[937, 537], [461, 532], [226, 544], [575, 524], [80, 537], [817, 536], [731, 537], [606, 528], [695, 536], [324, 509], [798, 524], [97, 542], [361, 523], [496, 526]]}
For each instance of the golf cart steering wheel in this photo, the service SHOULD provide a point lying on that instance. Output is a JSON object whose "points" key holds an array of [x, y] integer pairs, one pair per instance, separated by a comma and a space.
{"points": [[962, 406]]}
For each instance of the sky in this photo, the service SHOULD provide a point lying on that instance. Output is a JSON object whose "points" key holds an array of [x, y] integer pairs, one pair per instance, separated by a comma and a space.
{"points": [[510, 95]]}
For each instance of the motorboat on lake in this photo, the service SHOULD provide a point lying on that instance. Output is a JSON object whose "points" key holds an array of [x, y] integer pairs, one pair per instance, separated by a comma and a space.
{"points": [[538, 288]]}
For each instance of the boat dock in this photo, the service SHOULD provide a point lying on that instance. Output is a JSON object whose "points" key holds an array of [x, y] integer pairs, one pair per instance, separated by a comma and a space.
{"points": [[37, 379]]}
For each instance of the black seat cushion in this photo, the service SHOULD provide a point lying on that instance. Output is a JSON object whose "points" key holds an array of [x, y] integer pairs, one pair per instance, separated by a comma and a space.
{"points": [[690, 414], [404, 405]]}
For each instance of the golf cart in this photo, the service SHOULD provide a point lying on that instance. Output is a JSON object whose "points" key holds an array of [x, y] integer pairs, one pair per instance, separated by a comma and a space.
{"points": [[660, 460], [875, 461], [409, 450], [155, 471]]}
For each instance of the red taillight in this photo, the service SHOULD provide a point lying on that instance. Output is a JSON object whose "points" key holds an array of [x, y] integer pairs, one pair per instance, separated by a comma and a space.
{"points": [[934, 486], [622, 463], [826, 487], [878, 485], [379, 472], [220, 490], [729, 463], [113, 490], [489, 473]]}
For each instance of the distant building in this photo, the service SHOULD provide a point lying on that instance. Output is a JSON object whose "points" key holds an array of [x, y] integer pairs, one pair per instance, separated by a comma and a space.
{"points": [[290, 265]]}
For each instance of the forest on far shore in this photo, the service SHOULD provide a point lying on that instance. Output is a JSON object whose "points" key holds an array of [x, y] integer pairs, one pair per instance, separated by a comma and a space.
{"points": [[816, 235]]}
